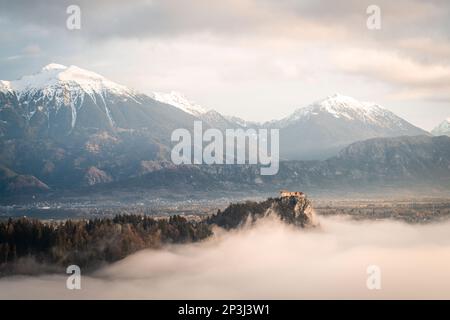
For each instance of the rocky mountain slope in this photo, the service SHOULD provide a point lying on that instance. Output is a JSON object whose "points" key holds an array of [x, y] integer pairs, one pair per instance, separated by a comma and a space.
{"points": [[323, 128], [61, 122], [11, 183], [402, 162], [295, 210], [59, 101]]}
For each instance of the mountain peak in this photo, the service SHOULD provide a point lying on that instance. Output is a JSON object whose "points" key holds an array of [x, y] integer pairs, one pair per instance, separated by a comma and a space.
{"points": [[339, 120], [178, 100], [57, 86], [339, 101], [443, 129], [341, 107], [53, 77]]}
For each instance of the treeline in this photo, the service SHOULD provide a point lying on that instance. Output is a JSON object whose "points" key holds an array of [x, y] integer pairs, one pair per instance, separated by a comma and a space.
{"points": [[237, 214], [88, 243]]}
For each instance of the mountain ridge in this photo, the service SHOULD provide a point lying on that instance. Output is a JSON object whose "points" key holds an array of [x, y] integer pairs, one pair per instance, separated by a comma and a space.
{"points": [[400, 162], [328, 125]]}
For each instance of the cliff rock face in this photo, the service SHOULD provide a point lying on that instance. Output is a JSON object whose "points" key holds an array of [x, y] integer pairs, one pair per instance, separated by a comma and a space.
{"points": [[296, 210], [94, 176], [13, 183]]}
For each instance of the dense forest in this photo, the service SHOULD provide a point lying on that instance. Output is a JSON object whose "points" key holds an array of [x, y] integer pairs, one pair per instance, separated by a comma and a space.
{"points": [[88, 243]]}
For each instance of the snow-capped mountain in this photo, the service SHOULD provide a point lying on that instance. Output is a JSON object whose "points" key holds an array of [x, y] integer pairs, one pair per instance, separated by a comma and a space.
{"points": [[443, 129], [178, 100], [56, 86], [53, 78], [321, 129], [60, 99], [69, 126], [67, 119], [211, 117], [349, 109]]}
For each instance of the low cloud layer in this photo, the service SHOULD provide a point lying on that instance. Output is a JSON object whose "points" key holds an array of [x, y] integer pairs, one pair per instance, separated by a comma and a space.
{"points": [[272, 261]]}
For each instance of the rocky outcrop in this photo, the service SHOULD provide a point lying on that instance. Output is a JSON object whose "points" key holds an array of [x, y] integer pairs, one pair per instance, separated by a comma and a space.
{"points": [[296, 210], [94, 176], [17, 184], [25, 184]]}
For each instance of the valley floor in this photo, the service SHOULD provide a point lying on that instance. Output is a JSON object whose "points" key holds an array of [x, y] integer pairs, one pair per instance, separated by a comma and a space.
{"points": [[409, 208]]}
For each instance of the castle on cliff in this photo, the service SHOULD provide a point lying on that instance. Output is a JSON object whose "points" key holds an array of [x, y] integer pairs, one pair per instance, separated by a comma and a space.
{"points": [[287, 194]]}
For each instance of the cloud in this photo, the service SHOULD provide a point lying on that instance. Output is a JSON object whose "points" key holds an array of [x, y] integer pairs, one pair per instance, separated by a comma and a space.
{"points": [[257, 59], [140, 18], [272, 261], [426, 49], [153, 18], [32, 49], [420, 79]]}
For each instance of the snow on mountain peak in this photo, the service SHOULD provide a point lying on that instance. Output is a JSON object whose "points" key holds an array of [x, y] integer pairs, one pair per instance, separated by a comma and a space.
{"points": [[57, 85], [337, 105], [56, 76], [5, 86], [442, 129], [338, 102], [346, 108], [178, 100]]}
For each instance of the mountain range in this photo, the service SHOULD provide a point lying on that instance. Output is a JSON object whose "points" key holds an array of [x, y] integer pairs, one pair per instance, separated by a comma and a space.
{"points": [[405, 163], [323, 128], [66, 127], [60, 101]]}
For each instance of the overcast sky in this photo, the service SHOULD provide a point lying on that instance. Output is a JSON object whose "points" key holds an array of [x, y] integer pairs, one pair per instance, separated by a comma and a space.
{"points": [[257, 59]]}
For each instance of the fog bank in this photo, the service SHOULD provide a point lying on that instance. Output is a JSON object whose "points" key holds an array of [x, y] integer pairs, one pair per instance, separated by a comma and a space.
{"points": [[271, 261]]}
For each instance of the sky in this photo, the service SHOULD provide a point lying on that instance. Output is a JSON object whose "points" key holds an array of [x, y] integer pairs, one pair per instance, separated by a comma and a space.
{"points": [[256, 59]]}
